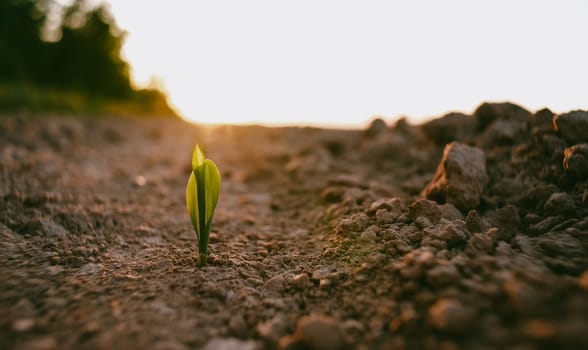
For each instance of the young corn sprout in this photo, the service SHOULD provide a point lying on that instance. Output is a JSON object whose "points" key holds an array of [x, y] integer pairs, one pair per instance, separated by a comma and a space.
{"points": [[201, 198]]}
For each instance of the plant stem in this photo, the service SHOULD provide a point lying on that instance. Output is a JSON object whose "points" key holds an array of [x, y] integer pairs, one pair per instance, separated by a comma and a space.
{"points": [[202, 258]]}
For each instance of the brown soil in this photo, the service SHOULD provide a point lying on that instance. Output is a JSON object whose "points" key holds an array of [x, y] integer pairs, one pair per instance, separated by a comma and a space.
{"points": [[97, 250]]}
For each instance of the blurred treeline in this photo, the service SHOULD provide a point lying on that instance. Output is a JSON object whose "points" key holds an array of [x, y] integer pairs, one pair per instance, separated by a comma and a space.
{"points": [[67, 59]]}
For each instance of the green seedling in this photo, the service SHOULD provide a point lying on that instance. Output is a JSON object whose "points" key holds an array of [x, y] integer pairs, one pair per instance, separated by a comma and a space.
{"points": [[201, 198]]}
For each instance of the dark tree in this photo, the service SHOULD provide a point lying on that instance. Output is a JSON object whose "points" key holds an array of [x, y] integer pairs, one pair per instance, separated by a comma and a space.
{"points": [[20, 41], [86, 58]]}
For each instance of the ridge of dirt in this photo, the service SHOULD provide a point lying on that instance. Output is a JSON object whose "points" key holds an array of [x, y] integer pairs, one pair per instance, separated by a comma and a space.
{"points": [[322, 238]]}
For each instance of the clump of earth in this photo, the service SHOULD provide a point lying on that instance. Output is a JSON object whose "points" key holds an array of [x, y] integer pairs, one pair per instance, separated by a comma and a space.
{"points": [[466, 232]]}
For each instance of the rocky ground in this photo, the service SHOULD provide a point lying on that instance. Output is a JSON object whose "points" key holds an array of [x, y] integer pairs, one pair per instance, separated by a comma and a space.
{"points": [[467, 232]]}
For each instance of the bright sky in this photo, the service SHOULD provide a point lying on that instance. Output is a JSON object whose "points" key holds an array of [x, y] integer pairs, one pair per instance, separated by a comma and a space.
{"points": [[339, 63]]}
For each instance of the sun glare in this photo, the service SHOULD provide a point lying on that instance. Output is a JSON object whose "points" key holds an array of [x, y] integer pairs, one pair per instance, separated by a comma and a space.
{"points": [[341, 63]]}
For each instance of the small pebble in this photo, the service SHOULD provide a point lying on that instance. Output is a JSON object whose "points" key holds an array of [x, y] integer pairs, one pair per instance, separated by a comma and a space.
{"points": [[300, 281], [274, 284], [392, 204], [422, 222], [316, 332], [332, 194], [369, 235], [325, 283], [425, 208], [572, 126], [140, 181], [23, 324], [450, 315], [583, 280], [473, 222], [450, 212], [575, 161], [353, 223], [272, 329], [540, 329], [452, 233], [559, 203], [232, 344], [442, 275], [385, 216]]}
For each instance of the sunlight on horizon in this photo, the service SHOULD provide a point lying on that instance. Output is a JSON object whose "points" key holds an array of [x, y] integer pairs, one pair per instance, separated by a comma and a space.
{"points": [[341, 63]]}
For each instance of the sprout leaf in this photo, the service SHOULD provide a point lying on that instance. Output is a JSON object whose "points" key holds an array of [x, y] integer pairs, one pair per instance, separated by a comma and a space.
{"points": [[212, 176], [202, 194], [192, 203]]}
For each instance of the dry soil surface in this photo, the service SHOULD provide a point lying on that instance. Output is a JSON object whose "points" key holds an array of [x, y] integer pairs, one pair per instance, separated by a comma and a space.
{"points": [[468, 232]]}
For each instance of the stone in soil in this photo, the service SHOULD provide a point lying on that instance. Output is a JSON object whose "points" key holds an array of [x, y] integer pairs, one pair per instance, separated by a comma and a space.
{"points": [[377, 126], [300, 281], [450, 127], [575, 161], [46, 227], [460, 178], [354, 223], [385, 216], [442, 275], [488, 113], [273, 329], [451, 233], [480, 244], [572, 126], [451, 315], [315, 332], [501, 132], [232, 344], [541, 123], [474, 222], [508, 220], [425, 208], [392, 204], [559, 203], [450, 212]]}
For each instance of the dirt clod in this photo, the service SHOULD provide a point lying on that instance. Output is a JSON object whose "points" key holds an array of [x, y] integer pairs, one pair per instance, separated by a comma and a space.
{"points": [[460, 178], [315, 332], [451, 315], [575, 161], [572, 126]]}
